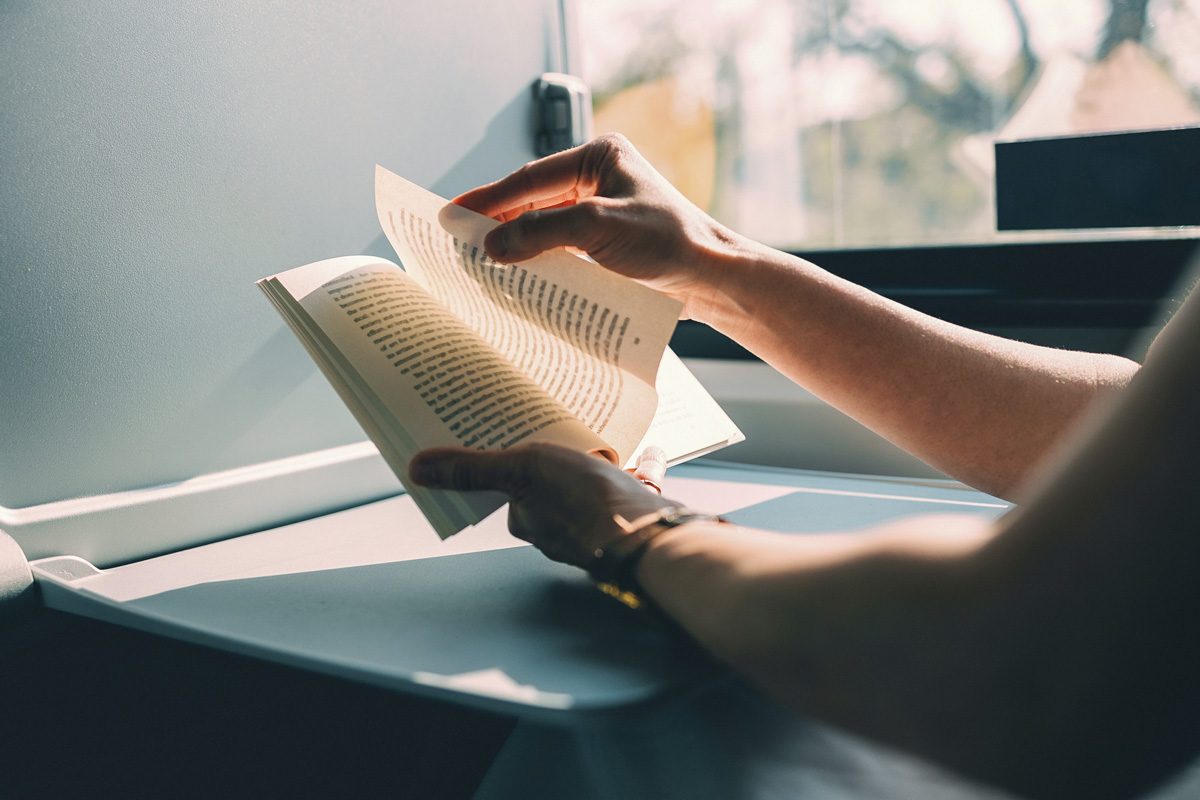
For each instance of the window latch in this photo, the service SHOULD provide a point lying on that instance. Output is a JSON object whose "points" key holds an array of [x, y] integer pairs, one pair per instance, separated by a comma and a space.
{"points": [[562, 113]]}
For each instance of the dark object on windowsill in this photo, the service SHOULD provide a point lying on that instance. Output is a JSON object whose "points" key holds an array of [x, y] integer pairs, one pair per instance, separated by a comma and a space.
{"points": [[1109, 180]]}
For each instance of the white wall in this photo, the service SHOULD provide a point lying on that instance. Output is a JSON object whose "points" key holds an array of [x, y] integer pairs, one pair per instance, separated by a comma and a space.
{"points": [[157, 158]]}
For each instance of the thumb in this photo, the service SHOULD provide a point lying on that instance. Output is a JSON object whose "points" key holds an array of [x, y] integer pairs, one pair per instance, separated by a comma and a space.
{"points": [[467, 470]]}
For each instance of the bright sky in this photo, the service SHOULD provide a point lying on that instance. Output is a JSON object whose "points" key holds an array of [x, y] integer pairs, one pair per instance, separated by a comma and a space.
{"points": [[983, 28]]}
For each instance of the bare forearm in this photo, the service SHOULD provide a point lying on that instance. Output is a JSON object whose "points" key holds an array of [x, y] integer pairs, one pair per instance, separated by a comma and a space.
{"points": [[914, 636], [1010, 653], [869, 631], [981, 408]]}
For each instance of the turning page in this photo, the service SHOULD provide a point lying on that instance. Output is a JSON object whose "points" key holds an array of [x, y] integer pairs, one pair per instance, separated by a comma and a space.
{"points": [[415, 376], [591, 338], [456, 349]]}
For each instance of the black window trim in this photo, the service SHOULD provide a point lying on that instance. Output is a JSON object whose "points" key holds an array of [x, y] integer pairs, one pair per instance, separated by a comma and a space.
{"points": [[1111, 283]]}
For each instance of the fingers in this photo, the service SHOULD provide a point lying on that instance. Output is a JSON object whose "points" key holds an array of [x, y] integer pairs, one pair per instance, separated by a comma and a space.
{"points": [[651, 468], [564, 177], [548, 181], [469, 470], [535, 232]]}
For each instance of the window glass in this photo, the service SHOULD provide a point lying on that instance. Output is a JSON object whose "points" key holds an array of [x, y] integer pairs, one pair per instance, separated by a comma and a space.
{"points": [[859, 123]]}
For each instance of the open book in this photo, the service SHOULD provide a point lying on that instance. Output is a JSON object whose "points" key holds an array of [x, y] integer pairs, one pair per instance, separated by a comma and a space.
{"points": [[456, 349]]}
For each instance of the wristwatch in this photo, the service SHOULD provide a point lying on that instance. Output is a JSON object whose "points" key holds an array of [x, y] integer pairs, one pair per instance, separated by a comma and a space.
{"points": [[614, 565]]}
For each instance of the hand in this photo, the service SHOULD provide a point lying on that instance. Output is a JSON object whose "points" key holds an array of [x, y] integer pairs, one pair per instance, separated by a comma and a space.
{"points": [[561, 501], [604, 198]]}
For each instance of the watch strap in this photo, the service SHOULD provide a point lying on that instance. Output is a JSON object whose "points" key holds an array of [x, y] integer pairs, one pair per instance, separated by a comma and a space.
{"points": [[614, 565]]}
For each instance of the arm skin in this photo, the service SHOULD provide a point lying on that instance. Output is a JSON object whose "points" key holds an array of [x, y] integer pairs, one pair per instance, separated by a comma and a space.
{"points": [[980, 408], [1053, 653]]}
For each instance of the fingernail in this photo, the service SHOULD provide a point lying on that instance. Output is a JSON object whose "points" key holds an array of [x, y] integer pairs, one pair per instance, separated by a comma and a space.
{"points": [[424, 472], [496, 243]]}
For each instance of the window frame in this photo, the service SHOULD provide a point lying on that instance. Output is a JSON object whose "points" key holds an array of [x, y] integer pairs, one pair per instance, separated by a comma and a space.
{"points": [[1045, 285]]}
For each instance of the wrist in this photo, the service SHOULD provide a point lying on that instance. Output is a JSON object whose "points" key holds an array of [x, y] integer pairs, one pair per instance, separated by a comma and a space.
{"points": [[734, 276], [614, 565], [683, 542], [700, 553]]}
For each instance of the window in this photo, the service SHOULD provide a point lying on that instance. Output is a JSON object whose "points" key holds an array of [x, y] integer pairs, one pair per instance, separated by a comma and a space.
{"points": [[832, 124]]}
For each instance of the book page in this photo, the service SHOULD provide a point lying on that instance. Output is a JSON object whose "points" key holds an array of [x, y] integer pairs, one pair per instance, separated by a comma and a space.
{"points": [[688, 422], [593, 340], [416, 376]]}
